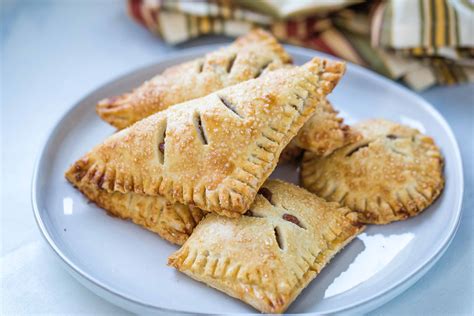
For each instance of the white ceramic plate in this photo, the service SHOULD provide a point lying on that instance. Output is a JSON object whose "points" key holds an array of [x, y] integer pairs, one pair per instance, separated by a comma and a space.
{"points": [[127, 265]]}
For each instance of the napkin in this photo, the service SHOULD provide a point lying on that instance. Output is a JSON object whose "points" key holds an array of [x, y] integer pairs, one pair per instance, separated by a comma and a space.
{"points": [[418, 42]]}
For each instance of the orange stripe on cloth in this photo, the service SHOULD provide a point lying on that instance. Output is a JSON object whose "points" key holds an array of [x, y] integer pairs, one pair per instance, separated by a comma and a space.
{"points": [[440, 23]]}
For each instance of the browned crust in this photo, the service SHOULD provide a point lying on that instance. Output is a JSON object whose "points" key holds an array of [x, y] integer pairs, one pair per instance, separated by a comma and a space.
{"points": [[174, 222], [249, 56], [223, 175], [244, 258], [394, 172], [325, 131]]}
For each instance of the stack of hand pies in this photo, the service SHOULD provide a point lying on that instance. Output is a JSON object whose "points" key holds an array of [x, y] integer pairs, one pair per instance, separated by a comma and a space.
{"points": [[199, 141]]}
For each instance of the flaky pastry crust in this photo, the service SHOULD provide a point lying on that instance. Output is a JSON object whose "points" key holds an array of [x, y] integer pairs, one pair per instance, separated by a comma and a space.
{"points": [[392, 173], [213, 152], [174, 222], [248, 57], [267, 257], [325, 131]]}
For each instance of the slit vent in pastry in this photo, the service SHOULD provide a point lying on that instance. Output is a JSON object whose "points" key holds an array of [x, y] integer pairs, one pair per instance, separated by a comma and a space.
{"points": [[248, 57], [392, 173], [266, 261], [224, 175]]}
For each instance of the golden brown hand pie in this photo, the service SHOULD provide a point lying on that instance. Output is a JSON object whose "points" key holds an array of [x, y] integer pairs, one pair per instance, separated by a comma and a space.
{"points": [[173, 222], [268, 256], [213, 152], [392, 173], [248, 57]]}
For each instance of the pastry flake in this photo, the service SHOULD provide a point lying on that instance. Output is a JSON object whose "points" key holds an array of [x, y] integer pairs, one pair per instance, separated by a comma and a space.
{"points": [[248, 57], [213, 152], [268, 256], [174, 222], [392, 173]]}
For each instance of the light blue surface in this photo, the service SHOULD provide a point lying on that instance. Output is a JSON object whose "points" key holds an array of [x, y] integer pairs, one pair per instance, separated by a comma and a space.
{"points": [[53, 53]]}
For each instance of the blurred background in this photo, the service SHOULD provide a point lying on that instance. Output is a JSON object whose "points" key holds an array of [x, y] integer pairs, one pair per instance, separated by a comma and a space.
{"points": [[421, 43], [55, 52]]}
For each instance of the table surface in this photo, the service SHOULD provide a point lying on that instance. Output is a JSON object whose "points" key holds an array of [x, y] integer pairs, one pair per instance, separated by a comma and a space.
{"points": [[52, 54]]}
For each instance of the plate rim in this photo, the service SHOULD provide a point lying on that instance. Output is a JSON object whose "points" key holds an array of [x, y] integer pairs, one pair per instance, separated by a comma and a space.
{"points": [[414, 275]]}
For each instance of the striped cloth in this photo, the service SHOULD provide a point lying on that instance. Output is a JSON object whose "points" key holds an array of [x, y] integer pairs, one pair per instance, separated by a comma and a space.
{"points": [[419, 42]]}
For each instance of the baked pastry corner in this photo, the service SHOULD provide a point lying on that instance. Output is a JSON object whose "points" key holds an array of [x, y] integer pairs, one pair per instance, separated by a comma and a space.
{"points": [[173, 222], [325, 131]]}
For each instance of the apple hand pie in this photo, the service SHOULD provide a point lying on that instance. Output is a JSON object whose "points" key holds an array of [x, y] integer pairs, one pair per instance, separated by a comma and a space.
{"points": [[392, 173], [174, 222], [248, 57], [268, 256], [214, 152]]}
